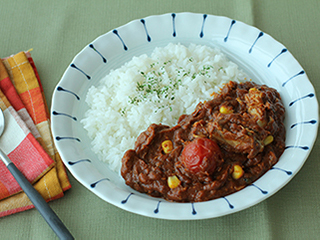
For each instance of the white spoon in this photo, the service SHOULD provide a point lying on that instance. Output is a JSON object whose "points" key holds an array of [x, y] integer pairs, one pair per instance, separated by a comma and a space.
{"points": [[38, 201]]}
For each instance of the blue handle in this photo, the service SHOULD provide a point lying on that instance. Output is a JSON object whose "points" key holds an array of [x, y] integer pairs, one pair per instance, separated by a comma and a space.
{"points": [[41, 205]]}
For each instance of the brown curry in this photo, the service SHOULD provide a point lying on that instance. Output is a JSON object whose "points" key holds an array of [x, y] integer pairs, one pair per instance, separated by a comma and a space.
{"points": [[224, 145]]}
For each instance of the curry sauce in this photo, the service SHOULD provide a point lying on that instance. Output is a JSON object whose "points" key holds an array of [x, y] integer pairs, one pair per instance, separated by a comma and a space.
{"points": [[224, 145]]}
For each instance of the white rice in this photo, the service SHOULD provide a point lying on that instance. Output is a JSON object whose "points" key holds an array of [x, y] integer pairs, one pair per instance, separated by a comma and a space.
{"points": [[172, 81]]}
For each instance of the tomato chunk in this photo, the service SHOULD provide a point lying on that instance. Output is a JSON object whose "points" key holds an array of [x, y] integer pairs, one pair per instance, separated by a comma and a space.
{"points": [[201, 155]]}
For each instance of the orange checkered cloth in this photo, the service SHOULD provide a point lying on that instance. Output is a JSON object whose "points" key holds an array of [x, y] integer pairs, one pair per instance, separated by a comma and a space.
{"points": [[27, 139]]}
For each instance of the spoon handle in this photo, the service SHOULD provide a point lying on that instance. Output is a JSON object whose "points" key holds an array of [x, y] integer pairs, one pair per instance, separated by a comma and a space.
{"points": [[38, 201]]}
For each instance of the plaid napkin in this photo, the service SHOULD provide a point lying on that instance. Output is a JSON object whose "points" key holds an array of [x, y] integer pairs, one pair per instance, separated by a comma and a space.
{"points": [[27, 139]]}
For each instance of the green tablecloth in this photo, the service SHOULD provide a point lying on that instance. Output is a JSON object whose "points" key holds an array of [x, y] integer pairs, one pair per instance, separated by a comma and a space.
{"points": [[58, 30]]}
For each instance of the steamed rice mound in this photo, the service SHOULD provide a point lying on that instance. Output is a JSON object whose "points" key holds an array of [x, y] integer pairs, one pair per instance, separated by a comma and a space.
{"points": [[152, 89]]}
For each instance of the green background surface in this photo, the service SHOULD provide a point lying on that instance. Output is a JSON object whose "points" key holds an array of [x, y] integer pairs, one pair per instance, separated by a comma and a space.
{"points": [[58, 30]]}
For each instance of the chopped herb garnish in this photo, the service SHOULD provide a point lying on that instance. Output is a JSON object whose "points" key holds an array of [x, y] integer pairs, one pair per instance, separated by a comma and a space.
{"points": [[123, 111], [152, 83]]}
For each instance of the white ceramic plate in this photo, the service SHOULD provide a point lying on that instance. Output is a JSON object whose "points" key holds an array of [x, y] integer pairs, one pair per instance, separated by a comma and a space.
{"points": [[262, 57]]}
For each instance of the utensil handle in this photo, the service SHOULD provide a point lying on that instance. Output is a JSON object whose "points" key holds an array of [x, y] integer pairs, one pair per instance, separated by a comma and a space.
{"points": [[38, 201]]}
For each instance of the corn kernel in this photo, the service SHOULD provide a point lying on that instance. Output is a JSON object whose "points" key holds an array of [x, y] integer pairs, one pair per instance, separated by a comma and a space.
{"points": [[167, 146], [225, 110], [268, 140], [173, 181], [237, 172]]}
